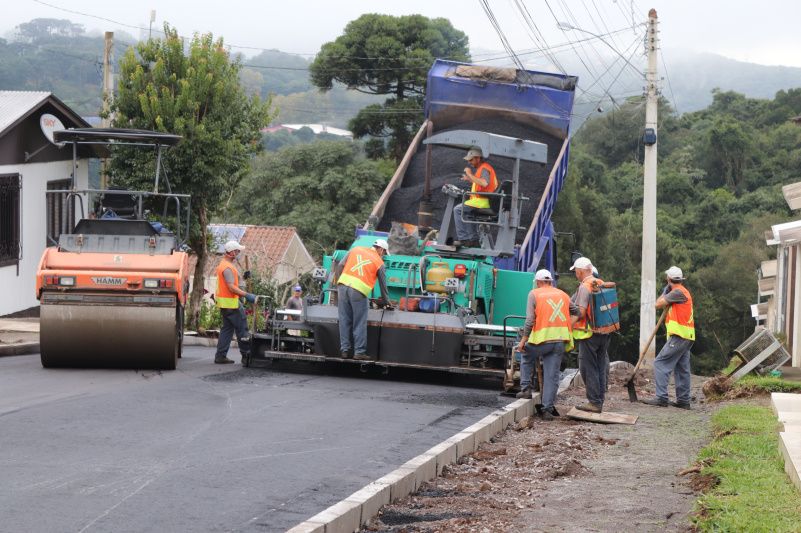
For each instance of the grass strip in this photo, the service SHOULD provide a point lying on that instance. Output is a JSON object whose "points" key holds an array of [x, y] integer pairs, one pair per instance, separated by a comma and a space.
{"points": [[767, 384], [753, 492]]}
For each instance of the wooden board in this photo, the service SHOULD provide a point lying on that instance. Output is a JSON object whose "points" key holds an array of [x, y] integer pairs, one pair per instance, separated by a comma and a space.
{"points": [[602, 418]]}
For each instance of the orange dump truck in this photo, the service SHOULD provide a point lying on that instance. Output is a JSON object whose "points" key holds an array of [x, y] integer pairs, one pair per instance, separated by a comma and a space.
{"points": [[112, 292]]}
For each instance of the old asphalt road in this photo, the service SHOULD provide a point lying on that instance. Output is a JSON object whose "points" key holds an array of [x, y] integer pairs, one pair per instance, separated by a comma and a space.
{"points": [[207, 447]]}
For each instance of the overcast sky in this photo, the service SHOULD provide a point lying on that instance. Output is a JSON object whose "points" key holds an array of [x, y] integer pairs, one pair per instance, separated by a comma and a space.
{"points": [[764, 32]]}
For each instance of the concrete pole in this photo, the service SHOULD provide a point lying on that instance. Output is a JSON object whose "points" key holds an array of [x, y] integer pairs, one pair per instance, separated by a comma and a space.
{"points": [[648, 284], [108, 93]]}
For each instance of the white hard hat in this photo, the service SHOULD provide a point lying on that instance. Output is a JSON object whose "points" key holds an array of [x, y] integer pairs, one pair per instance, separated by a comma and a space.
{"points": [[381, 243], [582, 263], [543, 275], [232, 245], [675, 273]]}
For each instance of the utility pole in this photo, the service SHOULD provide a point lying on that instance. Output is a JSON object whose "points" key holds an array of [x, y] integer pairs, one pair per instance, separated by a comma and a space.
{"points": [[108, 93], [648, 276], [150, 27]]}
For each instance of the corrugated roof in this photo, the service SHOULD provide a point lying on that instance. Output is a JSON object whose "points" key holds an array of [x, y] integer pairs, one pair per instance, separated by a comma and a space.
{"points": [[15, 105], [265, 246]]}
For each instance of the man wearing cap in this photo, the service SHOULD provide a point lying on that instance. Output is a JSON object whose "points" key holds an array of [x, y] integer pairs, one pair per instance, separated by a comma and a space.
{"points": [[231, 309], [482, 177], [593, 346], [674, 357], [295, 301], [546, 336], [357, 274]]}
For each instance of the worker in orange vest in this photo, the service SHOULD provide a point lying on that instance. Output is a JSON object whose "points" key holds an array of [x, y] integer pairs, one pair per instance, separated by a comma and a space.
{"points": [[231, 309], [593, 346], [357, 275], [546, 337], [482, 177], [674, 357]]}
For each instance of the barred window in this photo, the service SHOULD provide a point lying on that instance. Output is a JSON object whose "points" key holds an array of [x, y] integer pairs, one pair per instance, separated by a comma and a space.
{"points": [[10, 211], [60, 210]]}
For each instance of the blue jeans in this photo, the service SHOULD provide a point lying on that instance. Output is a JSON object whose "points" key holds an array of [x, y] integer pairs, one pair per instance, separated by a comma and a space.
{"points": [[673, 357], [594, 366], [465, 231], [233, 321], [550, 353], [352, 308]]}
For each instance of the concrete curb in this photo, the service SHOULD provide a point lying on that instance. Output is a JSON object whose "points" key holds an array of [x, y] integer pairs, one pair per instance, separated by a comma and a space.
{"points": [[19, 348], [193, 340], [787, 407], [356, 510]]}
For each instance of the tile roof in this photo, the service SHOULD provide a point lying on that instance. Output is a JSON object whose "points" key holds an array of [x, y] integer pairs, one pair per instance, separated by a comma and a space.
{"points": [[15, 105], [265, 246]]}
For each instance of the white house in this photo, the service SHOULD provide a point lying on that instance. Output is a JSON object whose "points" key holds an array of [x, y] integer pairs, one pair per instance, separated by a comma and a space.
{"points": [[31, 164]]}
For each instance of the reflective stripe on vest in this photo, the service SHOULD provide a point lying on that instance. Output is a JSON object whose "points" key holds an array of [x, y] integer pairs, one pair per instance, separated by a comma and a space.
{"points": [[224, 297], [361, 269], [551, 317], [680, 320], [582, 329], [482, 202]]}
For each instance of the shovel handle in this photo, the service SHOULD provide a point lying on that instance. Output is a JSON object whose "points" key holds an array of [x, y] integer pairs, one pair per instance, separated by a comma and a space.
{"points": [[650, 340]]}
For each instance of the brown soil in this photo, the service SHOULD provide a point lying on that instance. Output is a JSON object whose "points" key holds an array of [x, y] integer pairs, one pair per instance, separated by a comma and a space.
{"points": [[567, 475]]}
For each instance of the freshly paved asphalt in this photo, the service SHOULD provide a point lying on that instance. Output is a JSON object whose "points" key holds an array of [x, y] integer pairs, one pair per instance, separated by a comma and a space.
{"points": [[207, 447]]}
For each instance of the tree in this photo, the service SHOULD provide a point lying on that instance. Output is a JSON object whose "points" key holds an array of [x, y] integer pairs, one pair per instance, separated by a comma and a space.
{"points": [[196, 95], [42, 29], [324, 189], [386, 55]]}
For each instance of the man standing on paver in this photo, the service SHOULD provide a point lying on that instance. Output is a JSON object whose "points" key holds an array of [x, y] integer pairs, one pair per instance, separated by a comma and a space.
{"points": [[674, 357], [593, 346], [231, 309], [546, 337]]}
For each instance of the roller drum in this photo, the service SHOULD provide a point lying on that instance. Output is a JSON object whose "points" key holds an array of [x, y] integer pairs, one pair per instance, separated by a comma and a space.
{"points": [[109, 332]]}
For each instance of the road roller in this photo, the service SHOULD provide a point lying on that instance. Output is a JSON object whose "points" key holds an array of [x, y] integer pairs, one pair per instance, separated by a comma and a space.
{"points": [[112, 290]]}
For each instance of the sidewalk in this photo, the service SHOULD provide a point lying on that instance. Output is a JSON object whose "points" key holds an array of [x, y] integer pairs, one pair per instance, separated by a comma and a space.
{"points": [[788, 410], [19, 336]]}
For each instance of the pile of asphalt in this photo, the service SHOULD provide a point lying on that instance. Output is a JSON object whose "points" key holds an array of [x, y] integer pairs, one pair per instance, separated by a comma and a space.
{"points": [[448, 164]]}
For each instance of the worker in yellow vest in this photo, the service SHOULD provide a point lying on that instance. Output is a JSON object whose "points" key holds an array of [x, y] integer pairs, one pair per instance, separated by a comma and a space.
{"points": [[357, 275], [593, 346], [674, 357], [481, 176], [231, 310], [546, 337]]}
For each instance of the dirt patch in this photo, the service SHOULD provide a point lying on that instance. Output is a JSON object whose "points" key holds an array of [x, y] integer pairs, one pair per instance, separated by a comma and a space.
{"points": [[569, 476], [717, 387]]}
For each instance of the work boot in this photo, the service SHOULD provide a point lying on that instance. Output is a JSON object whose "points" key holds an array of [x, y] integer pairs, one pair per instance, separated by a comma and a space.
{"points": [[472, 243], [681, 405], [657, 402], [345, 355], [362, 357], [589, 407], [223, 361], [524, 393], [547, 415]]}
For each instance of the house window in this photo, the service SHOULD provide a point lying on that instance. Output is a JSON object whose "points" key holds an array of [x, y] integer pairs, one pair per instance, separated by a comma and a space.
{"points": [[60, 210], [10, 209]]}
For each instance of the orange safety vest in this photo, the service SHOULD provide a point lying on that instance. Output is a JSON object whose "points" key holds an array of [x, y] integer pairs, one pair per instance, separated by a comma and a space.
{"points": [[551, 317], [361, 269], [680, 320], [476, 200], [224, 297], [582, 329]]}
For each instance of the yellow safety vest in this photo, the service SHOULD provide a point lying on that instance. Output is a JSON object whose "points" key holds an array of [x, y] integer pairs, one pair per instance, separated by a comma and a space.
{"points": [[476, 200]]}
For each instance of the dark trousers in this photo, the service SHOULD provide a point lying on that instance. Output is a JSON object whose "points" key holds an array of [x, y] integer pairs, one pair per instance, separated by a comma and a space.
{"points": [[234, 321], [352, 307], [594, 366]]}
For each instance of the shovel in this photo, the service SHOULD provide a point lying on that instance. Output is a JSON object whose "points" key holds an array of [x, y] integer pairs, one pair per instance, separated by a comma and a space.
{"points": [[630, 382]]}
